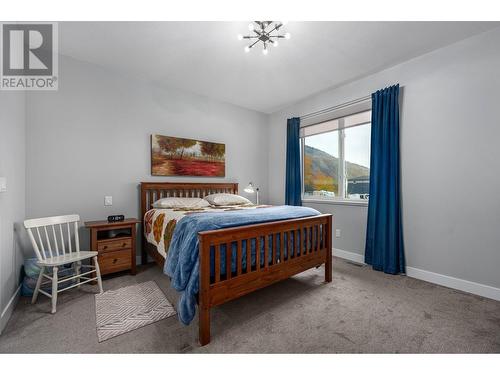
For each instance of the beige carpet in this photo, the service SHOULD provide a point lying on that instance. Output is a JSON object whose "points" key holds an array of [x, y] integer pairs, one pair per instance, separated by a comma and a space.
{"points": [[361, 311]]}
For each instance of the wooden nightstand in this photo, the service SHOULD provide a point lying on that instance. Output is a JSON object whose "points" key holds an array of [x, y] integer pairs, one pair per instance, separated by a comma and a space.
{"points": [[115, 243]]}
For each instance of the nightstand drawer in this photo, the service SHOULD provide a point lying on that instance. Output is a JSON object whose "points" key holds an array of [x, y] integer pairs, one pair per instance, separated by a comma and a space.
{"points": [[115, 261], [113, 245]]}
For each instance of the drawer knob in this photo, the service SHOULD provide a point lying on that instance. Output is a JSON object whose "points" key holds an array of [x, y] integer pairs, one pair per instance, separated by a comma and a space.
{"points": [[124, 244], [105, 247], [115, 260]]}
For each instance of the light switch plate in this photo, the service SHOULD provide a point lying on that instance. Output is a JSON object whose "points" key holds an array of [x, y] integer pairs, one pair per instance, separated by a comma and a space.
{"points": [[108, 200], [337, 233], [3, 184]]}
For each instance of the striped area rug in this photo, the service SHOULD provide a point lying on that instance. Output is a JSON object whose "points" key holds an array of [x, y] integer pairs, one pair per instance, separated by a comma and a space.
{"points": [[125, 309]]}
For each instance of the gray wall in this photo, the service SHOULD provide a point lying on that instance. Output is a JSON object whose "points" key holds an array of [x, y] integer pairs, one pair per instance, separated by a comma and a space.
{"points": [[449, 154], [92, 138], [12, 202]]}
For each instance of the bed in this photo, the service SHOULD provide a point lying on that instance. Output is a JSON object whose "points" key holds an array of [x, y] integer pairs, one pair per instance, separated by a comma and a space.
{"points": [[234, 261]]}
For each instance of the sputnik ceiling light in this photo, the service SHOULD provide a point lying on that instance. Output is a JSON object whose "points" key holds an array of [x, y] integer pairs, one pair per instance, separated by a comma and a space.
{"points": [[266, 32]]}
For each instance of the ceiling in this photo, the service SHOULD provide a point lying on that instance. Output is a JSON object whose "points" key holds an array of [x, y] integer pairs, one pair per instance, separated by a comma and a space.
{"points": [[206, 58]]}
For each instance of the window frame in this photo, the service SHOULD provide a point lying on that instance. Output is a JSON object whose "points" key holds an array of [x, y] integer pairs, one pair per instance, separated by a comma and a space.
{"points": [[340, 199]]}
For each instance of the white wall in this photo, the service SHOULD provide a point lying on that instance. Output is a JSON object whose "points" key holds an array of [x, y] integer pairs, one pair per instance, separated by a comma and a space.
{"points": [[91, 138], [12, 202], [450, 129]]}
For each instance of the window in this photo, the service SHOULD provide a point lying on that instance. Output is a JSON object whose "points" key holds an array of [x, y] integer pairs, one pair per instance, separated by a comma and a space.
{"points": [[336, 158]]}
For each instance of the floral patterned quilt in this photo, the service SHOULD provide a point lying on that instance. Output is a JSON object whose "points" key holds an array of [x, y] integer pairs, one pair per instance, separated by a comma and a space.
{"points": [[159, 223]]}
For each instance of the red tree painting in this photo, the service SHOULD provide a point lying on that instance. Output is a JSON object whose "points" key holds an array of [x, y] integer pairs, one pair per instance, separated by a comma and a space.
{"points": [[172, 156]]}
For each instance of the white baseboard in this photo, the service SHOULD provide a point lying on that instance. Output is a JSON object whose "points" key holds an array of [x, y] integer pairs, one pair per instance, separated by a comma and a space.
{"points": [[454, 283], [349, 255], [432, 277], [7, 311]]}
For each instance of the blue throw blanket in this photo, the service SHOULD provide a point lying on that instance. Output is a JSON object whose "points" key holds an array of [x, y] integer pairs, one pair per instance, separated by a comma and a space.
{"points": [[182, 263]]}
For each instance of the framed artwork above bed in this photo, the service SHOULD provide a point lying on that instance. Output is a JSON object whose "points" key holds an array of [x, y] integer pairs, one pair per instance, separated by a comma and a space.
{"points": [[172, 156]]}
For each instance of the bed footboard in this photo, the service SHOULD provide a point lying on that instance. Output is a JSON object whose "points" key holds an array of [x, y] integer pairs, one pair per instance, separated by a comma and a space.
{"points": [[289, 247]]}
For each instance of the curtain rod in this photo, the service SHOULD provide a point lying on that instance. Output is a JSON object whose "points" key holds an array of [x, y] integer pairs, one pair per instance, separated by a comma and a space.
{"points": [[334, 108]]}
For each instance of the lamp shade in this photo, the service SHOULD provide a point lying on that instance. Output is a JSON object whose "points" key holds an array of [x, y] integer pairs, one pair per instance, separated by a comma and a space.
{"points": [[250, 188]]}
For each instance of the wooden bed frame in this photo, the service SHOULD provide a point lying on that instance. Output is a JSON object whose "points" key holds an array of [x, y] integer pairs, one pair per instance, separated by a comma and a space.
{"points": [[313, 251]]}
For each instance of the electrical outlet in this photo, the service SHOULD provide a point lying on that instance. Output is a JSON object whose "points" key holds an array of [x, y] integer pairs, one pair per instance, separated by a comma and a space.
{"points": [[337, 233], [108, 200], [3, 184]]}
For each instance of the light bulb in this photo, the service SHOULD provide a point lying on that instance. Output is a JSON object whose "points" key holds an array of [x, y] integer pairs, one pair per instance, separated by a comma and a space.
{"points": [[247, 49], [251, 27], [265, 51], [275, 43], [240, 37], [287, 36]]}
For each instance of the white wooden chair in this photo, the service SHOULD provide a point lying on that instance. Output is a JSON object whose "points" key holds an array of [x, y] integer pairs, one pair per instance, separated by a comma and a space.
{"points": [[52, 252]]}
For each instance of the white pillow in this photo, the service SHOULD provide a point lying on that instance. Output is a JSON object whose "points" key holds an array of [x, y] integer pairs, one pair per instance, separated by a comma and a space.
{"points": [[178, 202], [224, 199]]}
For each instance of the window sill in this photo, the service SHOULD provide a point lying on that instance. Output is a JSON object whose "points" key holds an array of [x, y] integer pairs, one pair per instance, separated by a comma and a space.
{"points": [[337, 202]]}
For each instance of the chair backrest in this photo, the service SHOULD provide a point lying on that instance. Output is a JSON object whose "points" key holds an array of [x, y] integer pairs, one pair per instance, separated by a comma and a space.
{"points": [[50, 235]]}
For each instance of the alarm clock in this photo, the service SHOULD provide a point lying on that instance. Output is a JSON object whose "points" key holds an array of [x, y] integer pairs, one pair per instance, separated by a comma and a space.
{"points": [[115, 218]]}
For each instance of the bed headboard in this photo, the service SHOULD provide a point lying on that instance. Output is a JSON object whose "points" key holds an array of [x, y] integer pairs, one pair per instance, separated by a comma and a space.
{"points": [[152, 191]]}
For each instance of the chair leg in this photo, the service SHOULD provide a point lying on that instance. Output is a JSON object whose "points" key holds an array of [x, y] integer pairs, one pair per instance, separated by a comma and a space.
{"points": [[37, 287], [55, 270], [78, 266], [98, 274]]}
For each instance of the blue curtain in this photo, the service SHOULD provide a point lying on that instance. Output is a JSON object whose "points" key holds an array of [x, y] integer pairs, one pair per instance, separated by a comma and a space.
{"points": [[293, 181], [384, 234]]}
